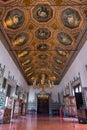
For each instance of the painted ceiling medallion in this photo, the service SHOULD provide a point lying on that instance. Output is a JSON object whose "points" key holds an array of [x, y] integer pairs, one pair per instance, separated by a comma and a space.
{"points": [[64, 38], [56, 67], [71, 18], [28, 69], [55, 73], [31, 73], [57, 60], [42, 13], [20, 39], [60, 51], [26, 62], [14, 19], [43, 56], [23, 53], [43, 33], [42, 47]]}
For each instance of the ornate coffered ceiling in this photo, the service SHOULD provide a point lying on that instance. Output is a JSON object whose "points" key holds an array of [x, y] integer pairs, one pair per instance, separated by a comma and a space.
{"points": [[43, 34]]}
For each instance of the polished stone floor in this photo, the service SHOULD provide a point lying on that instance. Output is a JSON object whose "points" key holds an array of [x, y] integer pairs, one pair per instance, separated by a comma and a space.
{"points": [[43, 123]]}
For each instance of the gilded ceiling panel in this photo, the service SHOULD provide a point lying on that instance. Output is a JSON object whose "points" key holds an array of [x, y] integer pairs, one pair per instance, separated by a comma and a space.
{"points": [[14, 19], [20, 39], [43, 47], [42, 56], [42, 13], [23, 53], [71, 18], [43, 34], [64, 38]]}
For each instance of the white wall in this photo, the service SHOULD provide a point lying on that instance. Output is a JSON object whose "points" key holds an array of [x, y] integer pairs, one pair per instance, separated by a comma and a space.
{"points": [[6, 60]]}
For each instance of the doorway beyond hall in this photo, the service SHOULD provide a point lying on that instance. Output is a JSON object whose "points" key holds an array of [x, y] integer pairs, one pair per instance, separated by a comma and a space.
{"points": [[43, 105]]}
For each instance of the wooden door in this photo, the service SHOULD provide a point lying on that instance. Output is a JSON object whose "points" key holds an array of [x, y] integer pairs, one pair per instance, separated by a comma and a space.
{"points": [[43, 105]]}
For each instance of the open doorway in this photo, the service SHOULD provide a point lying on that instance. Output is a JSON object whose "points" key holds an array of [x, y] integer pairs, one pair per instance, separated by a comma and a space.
{"points": [[43, 105]]}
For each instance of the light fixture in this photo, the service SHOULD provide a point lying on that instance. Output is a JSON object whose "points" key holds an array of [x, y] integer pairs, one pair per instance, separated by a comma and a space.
{"points": [[44, 83]]}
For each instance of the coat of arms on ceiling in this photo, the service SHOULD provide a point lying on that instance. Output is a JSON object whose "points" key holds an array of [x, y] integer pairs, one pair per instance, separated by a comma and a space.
{"points": [[23, 53], [20, 39], [64, 38], [14, 19], [42, 13], [71, 18], [42, 47], [43, 33], [43, 56]]}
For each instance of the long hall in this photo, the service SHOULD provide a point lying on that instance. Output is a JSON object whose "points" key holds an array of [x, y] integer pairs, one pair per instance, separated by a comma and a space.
{"points": [[43, 64]]}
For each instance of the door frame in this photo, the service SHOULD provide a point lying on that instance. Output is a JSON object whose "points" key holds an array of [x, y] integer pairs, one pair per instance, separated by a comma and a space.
{"points": [[42, 99], [50, 99]]}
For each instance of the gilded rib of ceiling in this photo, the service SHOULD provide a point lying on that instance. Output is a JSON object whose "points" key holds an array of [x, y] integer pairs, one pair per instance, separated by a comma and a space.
{"points": [[43, 34]]}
